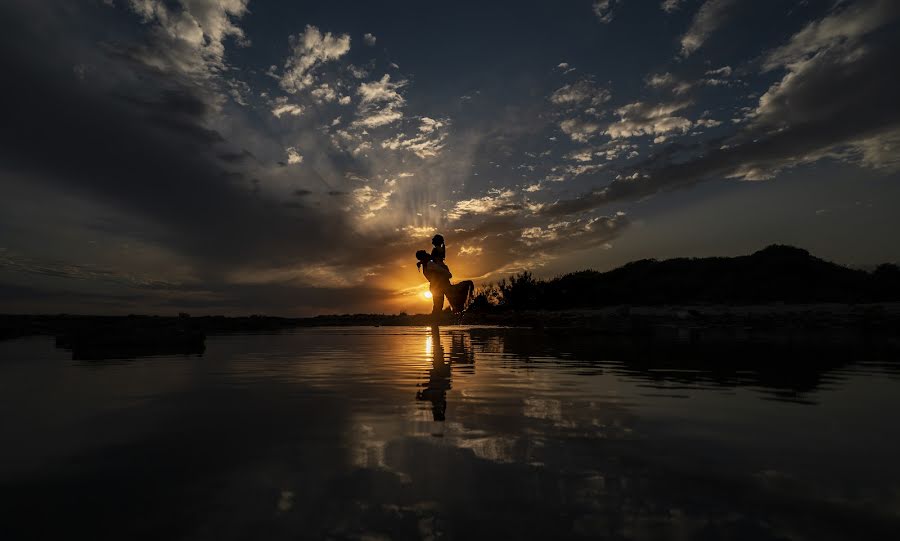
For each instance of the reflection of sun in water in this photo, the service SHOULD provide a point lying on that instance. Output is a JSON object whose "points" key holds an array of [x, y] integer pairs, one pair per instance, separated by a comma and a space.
{"points": [[427, 294]]}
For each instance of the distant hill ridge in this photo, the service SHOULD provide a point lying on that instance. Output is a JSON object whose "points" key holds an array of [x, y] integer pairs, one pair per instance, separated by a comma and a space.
{"points": [[777, 273]]}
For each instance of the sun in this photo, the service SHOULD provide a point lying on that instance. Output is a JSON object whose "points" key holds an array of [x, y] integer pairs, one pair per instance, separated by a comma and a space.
{"points": [[427, 294]]}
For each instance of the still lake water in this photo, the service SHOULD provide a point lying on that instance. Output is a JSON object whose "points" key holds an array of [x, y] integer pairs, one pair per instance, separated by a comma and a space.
{"points": [[468, 433]]}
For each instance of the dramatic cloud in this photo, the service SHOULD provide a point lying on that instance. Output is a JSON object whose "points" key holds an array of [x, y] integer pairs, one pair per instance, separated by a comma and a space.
{"points": [[667, 81], [670, 5], [498, 203], [818, 110], [371, 200], [641, 118], [190, 37], [582, 93], [282, 107], [603, 9], [711, 16], [153, 159], [309, 50], [724, 71], [380, 102], [293, 157], [845, 25], [504, 244], [153, 156], [585, 233], [426, 143], [579, 130]]}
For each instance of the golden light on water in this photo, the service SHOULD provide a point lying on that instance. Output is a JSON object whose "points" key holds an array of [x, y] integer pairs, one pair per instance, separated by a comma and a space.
{"points": [[426, 294]]}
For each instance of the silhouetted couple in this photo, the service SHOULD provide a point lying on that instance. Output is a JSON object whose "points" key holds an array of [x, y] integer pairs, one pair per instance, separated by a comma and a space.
{"points": [[438, 274]]}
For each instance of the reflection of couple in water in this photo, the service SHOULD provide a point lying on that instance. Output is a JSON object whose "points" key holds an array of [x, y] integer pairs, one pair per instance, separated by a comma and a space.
{"points": [[438, 380], [438, 275], [435, 391]]}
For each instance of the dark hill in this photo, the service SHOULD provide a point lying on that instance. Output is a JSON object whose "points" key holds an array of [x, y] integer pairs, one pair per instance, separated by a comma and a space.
{"points": [[775, 274]]}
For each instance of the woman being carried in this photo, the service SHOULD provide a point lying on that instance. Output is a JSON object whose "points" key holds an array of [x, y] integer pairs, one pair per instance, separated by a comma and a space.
{"points": [[438, 275]]}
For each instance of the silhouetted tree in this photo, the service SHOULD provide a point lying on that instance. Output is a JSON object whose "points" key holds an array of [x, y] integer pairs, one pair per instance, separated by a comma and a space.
{"points": [[520, 291], [486, 298]]}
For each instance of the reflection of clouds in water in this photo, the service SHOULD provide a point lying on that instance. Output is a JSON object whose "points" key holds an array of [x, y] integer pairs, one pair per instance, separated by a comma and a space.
{"points": [[367, 451], [555, 426], [286, 501], [497, 449], [543, 408]]}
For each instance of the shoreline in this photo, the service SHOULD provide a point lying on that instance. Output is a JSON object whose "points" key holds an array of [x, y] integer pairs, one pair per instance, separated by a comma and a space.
{"points": [[620, 319]]}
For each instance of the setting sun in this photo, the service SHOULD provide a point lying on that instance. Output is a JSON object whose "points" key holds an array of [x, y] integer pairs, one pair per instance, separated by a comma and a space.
{"points": [[427, 294]]}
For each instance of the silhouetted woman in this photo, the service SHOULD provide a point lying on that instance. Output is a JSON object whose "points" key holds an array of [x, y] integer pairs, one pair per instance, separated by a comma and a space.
{"points": [[439, 252], [438, 277]]}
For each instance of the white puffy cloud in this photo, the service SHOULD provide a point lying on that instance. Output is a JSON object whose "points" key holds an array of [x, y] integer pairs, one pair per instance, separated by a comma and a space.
{"points": [[561, 173], [371, 200], [670, 5], [667, 81], [309, 50], [587, 232], [724, 71], [380, 102], [880, 151], [579, 130], [190, 38], [382, 90], [282, 107], [324, 93], [369, 39], [583, 92], [583, 155], [640, 118], [603, 9], [708, 123], [358, 72], [497, 203], [711, 15], [293, 157], [660, 80], [426, 143]]}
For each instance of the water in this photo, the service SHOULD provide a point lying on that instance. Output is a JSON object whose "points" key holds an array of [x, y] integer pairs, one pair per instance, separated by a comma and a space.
{"points": [[402, 433]]}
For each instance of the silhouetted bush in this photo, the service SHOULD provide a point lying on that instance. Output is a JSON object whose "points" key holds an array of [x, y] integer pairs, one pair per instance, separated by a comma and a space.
{"points": [[521, 291], [486, 298]]}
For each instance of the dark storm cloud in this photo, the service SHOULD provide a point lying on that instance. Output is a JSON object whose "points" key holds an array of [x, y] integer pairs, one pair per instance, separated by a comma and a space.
{"points": [[92, 273], [140, 143]]}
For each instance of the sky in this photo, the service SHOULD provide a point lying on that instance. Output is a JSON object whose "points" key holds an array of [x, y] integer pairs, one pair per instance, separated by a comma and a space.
{"points": [[288, 158]]}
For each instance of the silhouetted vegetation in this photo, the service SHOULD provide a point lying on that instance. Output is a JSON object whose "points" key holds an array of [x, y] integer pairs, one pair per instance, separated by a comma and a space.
{"points": [[775, 274]]}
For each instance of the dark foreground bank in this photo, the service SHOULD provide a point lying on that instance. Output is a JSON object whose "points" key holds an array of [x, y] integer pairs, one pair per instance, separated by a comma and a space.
{"points": [[108, 336]]}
